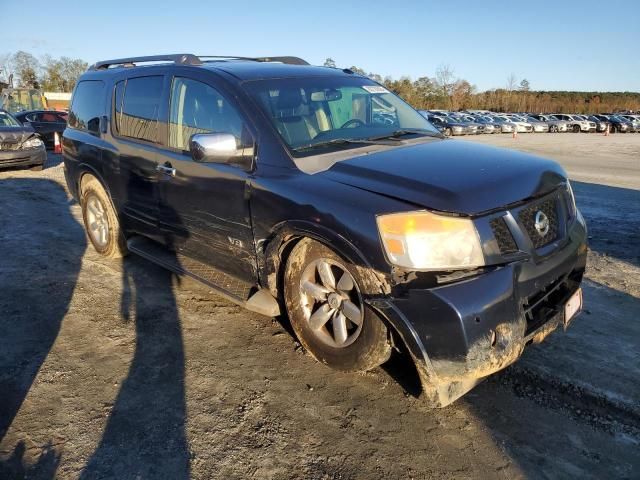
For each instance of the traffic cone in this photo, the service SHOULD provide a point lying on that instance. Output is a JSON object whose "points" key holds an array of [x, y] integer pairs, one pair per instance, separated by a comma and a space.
{"points": [[57, 148], [515, 133]]}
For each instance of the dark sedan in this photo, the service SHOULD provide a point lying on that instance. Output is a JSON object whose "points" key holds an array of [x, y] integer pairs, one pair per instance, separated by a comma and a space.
{"points": [[46, 123], [19, 144]]}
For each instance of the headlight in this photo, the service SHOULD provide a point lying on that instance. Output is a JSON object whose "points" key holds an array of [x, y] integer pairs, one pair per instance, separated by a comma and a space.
{"points": [[428, 241], [33, 142]]}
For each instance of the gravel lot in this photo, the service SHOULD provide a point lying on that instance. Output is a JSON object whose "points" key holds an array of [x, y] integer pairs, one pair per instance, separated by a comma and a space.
{"points": [[120, 370]]}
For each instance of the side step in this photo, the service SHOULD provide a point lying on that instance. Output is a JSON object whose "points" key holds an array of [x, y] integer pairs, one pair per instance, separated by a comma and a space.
{"points": [[240, 292]]}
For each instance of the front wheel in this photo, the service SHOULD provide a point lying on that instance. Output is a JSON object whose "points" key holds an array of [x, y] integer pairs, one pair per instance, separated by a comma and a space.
{"points": [[448, 132], [576, 128], [327, 312], [100, 220]]}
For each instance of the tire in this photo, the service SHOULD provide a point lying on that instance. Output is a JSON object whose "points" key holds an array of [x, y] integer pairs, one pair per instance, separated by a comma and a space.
{"points": [[576, 129], [553, 129], [612, 128], [100, 220], [310, 298], [448, 132]]}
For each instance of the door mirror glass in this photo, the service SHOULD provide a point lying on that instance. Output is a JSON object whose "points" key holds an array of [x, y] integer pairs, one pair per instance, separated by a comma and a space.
{"points": [[215, 148]]}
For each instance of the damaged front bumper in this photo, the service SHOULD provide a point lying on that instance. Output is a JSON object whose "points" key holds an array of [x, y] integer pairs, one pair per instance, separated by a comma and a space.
{"points": [[461, 332], [23, 158]]}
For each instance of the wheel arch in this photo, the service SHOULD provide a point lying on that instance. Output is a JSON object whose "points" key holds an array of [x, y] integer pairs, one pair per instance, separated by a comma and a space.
{"points": [[276, 251]]}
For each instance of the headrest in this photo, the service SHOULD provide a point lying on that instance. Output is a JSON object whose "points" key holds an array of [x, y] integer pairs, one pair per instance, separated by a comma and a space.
{"points": [[289, 98]]}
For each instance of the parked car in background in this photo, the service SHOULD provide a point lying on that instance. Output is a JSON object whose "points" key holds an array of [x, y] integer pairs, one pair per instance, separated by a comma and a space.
{"points": [[271, 184], [539, 126], [46, 123], [555, 124], [574, 123], [20, 145], [633, 119], [618, 124], [489, 126], [505, 125], [520, 125], [593, 126], [449, 126], [601, 125]]}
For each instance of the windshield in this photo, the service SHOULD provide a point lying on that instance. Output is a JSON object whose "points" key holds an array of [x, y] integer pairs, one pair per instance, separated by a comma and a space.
{"points": [[7, 120], [19, 100], [346, 111]]}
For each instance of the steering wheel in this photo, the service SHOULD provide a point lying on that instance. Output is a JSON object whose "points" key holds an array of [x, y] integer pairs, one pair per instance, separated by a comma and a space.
{"points": [[354, 122]]}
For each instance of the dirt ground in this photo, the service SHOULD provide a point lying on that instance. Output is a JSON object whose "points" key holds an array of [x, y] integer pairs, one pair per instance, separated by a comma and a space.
{"points": [[117, 369]]}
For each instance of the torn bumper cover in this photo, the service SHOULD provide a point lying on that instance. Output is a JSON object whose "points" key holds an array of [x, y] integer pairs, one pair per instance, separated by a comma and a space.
{"points": [[460, 333]]}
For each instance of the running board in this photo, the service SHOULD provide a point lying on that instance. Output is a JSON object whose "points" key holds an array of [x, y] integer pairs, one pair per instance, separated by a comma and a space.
{"points": [[249, 296]]}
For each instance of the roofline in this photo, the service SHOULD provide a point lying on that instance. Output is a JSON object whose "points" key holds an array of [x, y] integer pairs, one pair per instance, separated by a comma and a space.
{"points": [[190, 59]]}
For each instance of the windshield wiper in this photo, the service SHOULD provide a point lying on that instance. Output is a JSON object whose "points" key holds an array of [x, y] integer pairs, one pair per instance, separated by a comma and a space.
{"points": [[401, 133], [341, 141]]}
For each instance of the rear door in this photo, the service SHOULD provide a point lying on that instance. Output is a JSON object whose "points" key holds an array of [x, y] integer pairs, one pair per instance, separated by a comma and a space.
{"points": [[204, 207], [135, 127]]}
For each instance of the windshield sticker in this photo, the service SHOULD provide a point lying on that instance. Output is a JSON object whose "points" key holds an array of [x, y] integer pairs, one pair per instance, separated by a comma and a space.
{"points": [[375, 89]]}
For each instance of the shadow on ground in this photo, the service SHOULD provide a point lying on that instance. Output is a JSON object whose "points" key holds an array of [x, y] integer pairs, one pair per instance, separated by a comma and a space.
{"points": [[51, 249]]}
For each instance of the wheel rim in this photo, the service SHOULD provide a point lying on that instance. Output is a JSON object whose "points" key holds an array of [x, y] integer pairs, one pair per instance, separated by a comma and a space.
{"points": [[331, 303], [97, 222]]}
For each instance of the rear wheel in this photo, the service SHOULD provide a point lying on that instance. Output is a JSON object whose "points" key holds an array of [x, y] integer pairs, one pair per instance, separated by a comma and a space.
{"points": [[553, 128], [576, 128], [326, 309], [448, 132], [100, 220]]}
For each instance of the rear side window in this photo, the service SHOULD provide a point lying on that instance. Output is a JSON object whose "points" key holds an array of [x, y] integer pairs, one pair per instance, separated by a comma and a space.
{"points": [[137, 103], [87, 106]]}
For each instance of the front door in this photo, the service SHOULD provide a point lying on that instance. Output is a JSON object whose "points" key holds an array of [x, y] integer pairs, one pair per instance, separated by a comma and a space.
{"points": [[204, 207]]}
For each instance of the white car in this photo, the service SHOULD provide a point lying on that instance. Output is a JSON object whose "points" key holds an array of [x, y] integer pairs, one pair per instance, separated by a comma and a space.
{"points": [[575, 123], [521, 127]]}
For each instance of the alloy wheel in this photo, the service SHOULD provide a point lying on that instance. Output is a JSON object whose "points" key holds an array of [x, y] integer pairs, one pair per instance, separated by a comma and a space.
{"points": [[97, 221], [331, 303]]}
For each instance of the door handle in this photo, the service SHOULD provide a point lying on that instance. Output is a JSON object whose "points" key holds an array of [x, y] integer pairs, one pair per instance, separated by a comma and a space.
{"points": [[167, 170]]}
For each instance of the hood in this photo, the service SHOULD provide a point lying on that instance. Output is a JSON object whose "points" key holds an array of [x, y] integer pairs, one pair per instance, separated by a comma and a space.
{"points": [[15, 134], [450, 176]]}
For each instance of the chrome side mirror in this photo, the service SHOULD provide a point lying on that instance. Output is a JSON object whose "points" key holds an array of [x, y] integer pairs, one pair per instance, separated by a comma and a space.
{"points": [[214, 147]]}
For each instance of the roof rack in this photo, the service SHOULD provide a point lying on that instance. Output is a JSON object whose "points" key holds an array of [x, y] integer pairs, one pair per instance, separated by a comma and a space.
{"points": [[189, 59]]}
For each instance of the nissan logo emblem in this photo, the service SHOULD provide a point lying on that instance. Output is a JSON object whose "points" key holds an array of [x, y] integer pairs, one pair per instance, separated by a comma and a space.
{"points": [[542, 223]]}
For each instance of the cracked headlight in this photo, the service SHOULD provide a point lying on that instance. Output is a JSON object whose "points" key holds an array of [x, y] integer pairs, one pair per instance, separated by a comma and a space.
{"points": [[428, 241], [33, 142]]}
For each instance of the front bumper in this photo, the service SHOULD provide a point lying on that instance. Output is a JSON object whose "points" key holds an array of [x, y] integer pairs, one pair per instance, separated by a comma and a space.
{"points": [[23, 158], [461, 332]]}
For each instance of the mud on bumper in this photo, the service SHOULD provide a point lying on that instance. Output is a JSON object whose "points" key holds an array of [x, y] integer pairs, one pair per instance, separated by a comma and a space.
{"points": [[460, 333]]}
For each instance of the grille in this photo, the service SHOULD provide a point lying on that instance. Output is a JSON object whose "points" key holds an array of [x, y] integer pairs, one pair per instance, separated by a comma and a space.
{"points": [[505, 240], [528, 218], [9, 146]]}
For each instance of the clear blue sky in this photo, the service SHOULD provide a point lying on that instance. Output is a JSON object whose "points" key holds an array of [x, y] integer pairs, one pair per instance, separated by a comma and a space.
{"points": [[555, 44]]}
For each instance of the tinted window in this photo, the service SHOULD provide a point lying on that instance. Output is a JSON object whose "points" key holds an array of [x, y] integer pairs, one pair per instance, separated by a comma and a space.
{"points": [[199, 108], [47, 117], [86, 106], [137, 105]]}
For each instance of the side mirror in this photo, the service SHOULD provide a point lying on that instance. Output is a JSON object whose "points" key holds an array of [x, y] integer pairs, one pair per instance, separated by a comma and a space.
{"points": [[217, 148]]}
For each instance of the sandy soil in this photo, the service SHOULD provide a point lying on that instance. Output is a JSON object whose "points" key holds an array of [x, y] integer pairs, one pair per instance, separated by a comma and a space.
{"points": [[113, 369]]}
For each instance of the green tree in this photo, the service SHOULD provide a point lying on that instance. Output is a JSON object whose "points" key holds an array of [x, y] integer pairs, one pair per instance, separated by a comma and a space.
{"points": [[61, 75], [27, 67], [329, 62]]}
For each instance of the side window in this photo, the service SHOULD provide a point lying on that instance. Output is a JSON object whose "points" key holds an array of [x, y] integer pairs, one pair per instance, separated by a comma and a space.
{"points": [[137, 103], [198, 108], [87, 106], [47, 117]]}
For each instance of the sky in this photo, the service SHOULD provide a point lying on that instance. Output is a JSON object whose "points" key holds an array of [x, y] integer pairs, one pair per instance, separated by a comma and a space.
{"points": [[555, 44]]}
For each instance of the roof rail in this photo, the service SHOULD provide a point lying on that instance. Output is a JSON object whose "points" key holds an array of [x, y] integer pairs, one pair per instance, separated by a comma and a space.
{"points": [[287, 59], [178, 59], [190, 59]]}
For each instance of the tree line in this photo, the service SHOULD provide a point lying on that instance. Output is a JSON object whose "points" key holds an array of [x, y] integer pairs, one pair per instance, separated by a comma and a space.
{"points": [[446, 91], [22, 69], [443, 90]]}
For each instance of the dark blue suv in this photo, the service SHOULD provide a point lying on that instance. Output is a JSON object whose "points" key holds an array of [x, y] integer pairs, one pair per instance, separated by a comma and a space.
{"points": [[316, 193]]}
